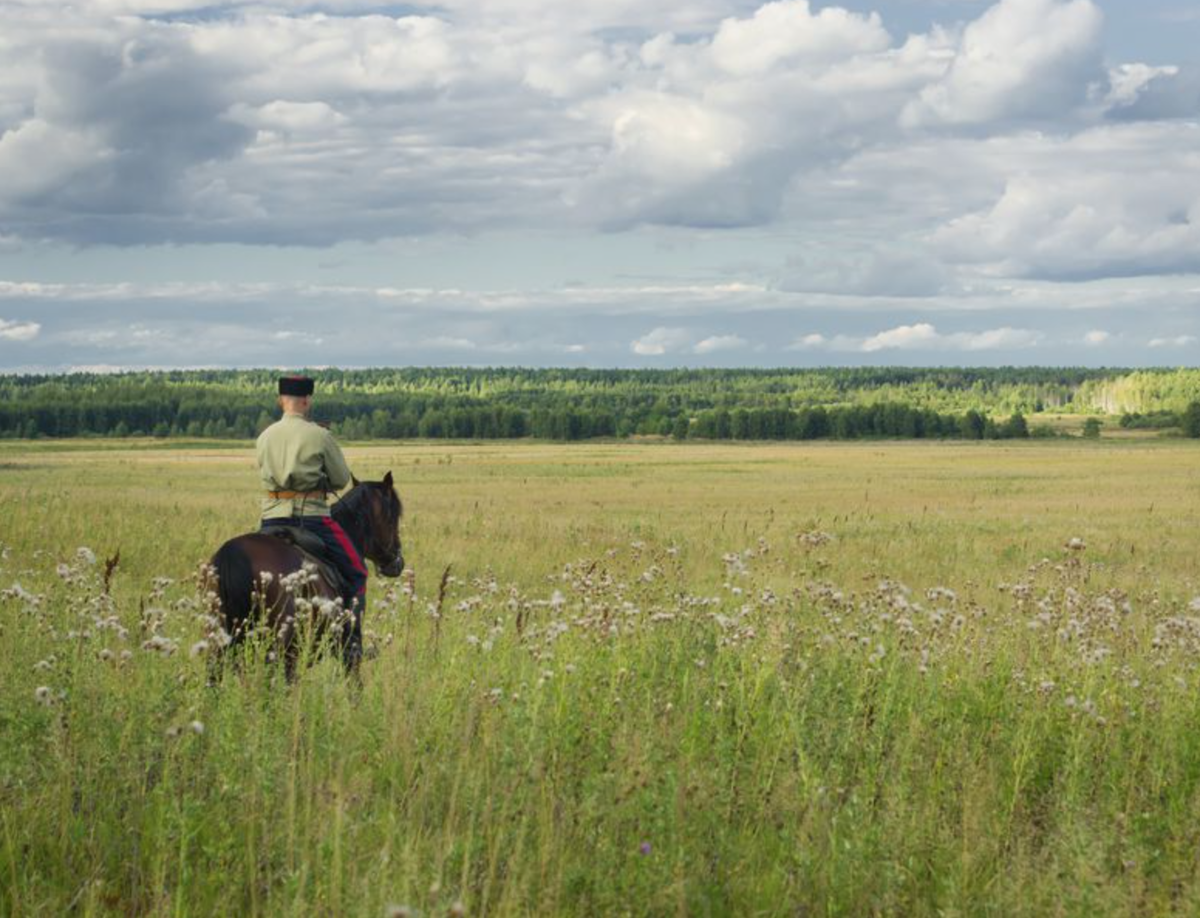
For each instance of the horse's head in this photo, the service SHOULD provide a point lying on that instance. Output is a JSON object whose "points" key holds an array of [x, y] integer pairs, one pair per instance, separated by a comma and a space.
{"points": [[379, 511]]}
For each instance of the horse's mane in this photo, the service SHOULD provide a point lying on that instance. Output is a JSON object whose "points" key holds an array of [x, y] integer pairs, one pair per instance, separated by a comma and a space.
{"points": [[351, 504]]}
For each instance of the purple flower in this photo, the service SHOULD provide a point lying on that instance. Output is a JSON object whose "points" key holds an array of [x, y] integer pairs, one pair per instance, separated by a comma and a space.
{"points": [[645, 847]]}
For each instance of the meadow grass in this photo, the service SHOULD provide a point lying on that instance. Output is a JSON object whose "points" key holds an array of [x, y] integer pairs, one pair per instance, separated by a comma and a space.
{"points": [[839, 679]]}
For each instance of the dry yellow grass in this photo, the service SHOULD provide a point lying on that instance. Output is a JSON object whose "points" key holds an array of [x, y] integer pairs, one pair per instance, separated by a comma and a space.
{"points": [[922, 511], [692, 679]]}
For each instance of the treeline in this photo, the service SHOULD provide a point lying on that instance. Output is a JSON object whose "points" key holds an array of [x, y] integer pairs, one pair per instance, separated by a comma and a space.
{"points": [[847, 423], [583, 404]]}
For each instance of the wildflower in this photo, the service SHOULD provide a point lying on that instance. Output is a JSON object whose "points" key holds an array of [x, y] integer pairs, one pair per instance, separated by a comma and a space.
{"points": [[457, 910], [42, 666], [160, 644], [1075, 544], [172, 732], [200, 647], [644, 848], [196, 727], [85, 554], [43, 695], [105, 655]]}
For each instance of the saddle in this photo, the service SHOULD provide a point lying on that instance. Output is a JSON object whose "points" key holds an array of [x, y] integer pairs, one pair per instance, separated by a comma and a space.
{"points": [[313, 550]]}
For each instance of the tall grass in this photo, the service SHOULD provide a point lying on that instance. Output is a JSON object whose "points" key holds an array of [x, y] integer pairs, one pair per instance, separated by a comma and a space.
{"points": [[785, 714]]}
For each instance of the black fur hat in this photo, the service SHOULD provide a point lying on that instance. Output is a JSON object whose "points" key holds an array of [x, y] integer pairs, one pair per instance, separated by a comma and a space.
{"points": [[299, 386]]}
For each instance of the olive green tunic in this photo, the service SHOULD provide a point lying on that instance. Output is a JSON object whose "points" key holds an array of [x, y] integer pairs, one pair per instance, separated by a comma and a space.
{"points": [[295, 454]]}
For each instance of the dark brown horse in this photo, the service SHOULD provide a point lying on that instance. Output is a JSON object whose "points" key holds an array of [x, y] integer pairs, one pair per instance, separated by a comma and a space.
{"points": [[261, 578]]}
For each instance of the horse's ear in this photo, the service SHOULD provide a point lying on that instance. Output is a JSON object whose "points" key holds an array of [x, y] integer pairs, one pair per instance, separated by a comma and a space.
{"points": [[353, 482], [387, 480]]}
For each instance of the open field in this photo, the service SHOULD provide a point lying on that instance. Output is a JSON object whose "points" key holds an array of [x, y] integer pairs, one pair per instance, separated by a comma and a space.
{"points": [[698, 679]]}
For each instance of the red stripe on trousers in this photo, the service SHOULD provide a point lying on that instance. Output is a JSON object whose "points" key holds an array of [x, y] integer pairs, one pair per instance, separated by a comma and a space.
{"points": [[347, 546]]}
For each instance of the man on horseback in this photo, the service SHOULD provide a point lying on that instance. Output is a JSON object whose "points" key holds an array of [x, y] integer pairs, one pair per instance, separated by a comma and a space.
{"points": [[301, 464]]}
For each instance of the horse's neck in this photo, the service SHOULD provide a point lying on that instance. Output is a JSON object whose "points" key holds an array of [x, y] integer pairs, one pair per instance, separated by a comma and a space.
{"points": [[349, 521]]}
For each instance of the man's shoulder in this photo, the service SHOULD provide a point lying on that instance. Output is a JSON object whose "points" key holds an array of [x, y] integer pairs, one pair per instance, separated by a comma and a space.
{"points": [[270, 431], [290, 426]]}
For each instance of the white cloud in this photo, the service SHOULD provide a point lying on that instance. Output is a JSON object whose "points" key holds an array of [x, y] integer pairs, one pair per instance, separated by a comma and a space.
{"points": [[925, 337], [905, 337], [1113, 201], [235, 324], [18, 331], [1097, 337], [463, 114], [718, 343], [804, 160], [1177, 341], [788, 32], [292, 117], [1021, 59], [921, 337], [994, 339], [1143, 92], [1128, 82], [660, 341], [808, 342], [273, 123]]}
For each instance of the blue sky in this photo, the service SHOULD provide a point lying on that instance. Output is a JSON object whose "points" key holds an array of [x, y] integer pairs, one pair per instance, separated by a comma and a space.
{"points": [[599, 183]]}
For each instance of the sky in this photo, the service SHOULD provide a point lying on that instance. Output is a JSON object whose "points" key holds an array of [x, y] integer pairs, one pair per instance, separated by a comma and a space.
{"points": [[603, 183]]}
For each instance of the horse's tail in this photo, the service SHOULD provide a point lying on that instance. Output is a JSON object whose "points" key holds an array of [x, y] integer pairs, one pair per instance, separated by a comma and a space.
{"points": [[235, 584]]}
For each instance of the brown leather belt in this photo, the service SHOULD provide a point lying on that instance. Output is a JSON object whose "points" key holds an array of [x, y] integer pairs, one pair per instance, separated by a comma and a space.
{"points": [[296, 495]]}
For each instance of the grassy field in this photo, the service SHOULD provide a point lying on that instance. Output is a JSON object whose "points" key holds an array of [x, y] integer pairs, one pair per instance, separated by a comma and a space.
{"points": [[664, 679]]}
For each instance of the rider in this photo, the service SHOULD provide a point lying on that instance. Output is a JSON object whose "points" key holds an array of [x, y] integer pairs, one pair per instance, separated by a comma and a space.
{"points": [[301, 464]]}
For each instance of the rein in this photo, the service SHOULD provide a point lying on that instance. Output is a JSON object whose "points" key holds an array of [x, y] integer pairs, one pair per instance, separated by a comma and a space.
{"points": [[359, 530]]}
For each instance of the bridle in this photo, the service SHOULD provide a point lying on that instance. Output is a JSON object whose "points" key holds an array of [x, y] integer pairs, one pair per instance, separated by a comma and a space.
{"points": [[352, 501]]}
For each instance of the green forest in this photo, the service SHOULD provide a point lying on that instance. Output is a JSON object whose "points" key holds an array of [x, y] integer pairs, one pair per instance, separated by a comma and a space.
{"points": [[560, 404]]}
